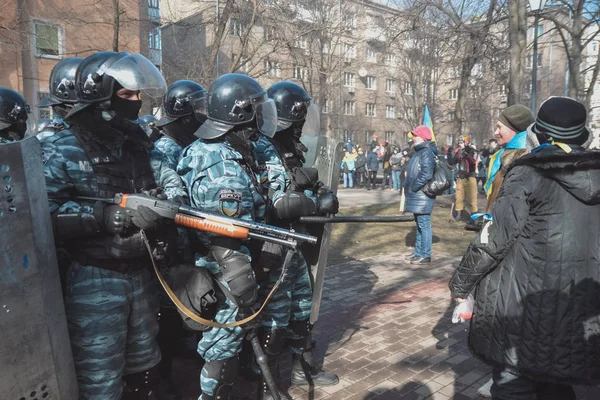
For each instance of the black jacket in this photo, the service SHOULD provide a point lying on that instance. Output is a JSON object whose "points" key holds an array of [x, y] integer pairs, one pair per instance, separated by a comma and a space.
{"points": [[537, 281], [419, 171]]}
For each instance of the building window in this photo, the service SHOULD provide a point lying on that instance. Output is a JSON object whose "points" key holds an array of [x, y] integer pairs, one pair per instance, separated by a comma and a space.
{"points": [[325, 108], [453, 94], [410, 113], [540, 32], [503, 90], [47, 40], [371, 110], [449, 140], [388, 135], [325, 47], [237, 27], [349, 20], [368, 136], [272, 68], [408, 89], [269, 32], [390, 86], [44, 112], [155, 39], [349, 79], [349, 52], [348, 135], [349, 108], [594, 46], [390, 59], [300, 42], [371, 54], [390, 112], [153, 3], [529, 61], [451, 116], [300, 73], [371, 83]]}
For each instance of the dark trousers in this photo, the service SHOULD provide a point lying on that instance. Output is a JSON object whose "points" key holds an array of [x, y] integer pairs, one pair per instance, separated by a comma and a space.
{"points": [[508, 386], [372, 179], [360, 178]]}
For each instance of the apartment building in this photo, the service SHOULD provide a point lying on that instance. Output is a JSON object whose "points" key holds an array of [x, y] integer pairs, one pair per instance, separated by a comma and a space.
{"points": [[41, 33]]}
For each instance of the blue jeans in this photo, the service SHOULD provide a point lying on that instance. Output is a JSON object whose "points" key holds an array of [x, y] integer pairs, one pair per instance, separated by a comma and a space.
{"points": [[348, 179], [396, 179], [423, 243], [508, 386]]}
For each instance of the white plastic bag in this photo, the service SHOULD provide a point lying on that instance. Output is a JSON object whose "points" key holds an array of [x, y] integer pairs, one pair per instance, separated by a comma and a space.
{"points": [[463, 311]]}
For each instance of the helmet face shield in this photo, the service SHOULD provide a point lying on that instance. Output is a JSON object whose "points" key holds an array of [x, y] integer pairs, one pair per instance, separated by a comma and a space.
{"points": [[136, 72], [198, 102], [32, 128], [312, 123], [266, 115]]}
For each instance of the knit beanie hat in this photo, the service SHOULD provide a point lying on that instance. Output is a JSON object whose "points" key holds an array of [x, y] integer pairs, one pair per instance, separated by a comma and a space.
{"points": [[517, 117], [563, 119]]}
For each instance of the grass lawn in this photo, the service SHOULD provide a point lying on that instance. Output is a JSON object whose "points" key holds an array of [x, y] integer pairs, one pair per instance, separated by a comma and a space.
{"points": [[360, 240]]}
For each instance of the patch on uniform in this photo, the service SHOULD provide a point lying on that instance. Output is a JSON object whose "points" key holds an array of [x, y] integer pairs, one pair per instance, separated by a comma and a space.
{"points": [[263, 173], [230, 202]]}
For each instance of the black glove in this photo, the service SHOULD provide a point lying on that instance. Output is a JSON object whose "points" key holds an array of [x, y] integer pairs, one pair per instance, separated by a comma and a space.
{"points": [[303, 178], [158, 193], [113, 219], [327, 201], [124, 248], [145, 218]]}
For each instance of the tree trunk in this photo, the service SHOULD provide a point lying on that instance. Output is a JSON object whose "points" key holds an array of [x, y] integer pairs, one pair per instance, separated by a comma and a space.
{"points": [[116, 25], [517, 36], [592, 84], [575, 69], [221, 24]]}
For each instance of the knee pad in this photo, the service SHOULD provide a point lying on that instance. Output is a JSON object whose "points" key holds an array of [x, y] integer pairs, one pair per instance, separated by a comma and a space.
{"points": [[272, 340], [237, 272], [302, 337], [224, 372]]}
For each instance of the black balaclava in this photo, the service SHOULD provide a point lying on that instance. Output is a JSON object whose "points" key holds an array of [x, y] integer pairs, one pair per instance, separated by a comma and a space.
{"points": [[288, 143], [241, 139], [125, 109], [14, 132], [182, 130]]}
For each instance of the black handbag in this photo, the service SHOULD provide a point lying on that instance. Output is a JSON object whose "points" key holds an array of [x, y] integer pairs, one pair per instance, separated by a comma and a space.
{"points": [[440, 181]]}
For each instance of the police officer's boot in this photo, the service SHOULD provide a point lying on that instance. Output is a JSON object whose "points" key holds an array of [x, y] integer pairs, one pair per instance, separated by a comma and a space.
{"points": [[224, 373], [272, 342], [305, 371], [141, 385], [169, 336]]}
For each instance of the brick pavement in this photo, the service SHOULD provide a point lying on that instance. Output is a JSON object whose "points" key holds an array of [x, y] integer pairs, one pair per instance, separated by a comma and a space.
{"points": [[385, 329]]}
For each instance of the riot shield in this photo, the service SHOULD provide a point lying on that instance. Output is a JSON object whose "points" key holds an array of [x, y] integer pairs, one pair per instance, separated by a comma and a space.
{"points": [[35, 353], [324, 154]]}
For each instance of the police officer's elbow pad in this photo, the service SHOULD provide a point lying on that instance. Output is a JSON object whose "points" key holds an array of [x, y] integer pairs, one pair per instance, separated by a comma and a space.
{"points": [[237, 272], [293, 206]]}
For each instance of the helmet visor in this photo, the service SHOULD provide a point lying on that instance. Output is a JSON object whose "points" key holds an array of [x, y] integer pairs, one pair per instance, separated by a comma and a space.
{"points": [[266, 115], [312, 124], [198, 102], [136, 72], [32, 128]]}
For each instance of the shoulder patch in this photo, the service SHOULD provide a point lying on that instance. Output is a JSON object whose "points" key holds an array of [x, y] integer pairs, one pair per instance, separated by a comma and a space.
{"points": [[263, 173], [230, 202]]}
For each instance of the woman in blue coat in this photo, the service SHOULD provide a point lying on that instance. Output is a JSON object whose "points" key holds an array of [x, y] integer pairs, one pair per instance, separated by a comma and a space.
{"points": [[418, 172]]}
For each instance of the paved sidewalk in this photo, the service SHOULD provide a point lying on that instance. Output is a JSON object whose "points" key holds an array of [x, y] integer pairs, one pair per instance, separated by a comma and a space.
{"points": [[385, 329], [363, 197]]}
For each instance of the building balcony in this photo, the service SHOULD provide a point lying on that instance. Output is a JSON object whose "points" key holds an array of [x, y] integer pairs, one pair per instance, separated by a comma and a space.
{"points": [[156, 57], [154, 14]]}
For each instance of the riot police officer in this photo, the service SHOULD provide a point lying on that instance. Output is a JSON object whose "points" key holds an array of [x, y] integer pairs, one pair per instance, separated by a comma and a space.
{"points": [[148, 124], [221, 176], [179, 121], [294, 192], [62, 95], [16, 119], [110, 296]]}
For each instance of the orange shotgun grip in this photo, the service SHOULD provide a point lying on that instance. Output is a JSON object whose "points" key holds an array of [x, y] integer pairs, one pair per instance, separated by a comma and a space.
{"points": [[123, 202], [220, 228]]}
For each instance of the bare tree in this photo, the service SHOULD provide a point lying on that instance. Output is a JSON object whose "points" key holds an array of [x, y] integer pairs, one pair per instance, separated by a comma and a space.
{"points": [[517, 39]]}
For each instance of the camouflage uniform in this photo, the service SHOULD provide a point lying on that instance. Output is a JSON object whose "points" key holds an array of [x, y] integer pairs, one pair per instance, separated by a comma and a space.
{"points": [[111, 312], [171, 149], [293, 299], [58, 124], [218, 181]]}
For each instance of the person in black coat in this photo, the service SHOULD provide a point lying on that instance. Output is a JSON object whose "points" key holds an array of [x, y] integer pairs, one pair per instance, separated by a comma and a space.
{"points": [[419, 171], [372, 167], [534, 269]]}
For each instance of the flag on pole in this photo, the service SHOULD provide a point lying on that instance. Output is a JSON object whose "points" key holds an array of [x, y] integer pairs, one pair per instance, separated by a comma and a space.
{"points": [[428, 122]]}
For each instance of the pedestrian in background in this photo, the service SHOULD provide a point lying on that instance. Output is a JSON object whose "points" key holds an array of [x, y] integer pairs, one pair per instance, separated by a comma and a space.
{"points": [[372, 167], [533, 269], [419, 172], [387, 166], [466, 184], [397, 162], [361, 169], [349, 145], [348, 167]]}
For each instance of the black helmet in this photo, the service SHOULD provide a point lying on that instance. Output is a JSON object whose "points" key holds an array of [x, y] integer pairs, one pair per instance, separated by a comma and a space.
{"points": [[182, 100], [15, 114], [236, 99], [96, 76], [62, 83], [148, 124], [294, 105]]}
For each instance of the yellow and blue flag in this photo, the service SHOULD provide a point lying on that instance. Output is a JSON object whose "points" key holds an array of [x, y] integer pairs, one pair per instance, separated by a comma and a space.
{"points": [[428, 122]]}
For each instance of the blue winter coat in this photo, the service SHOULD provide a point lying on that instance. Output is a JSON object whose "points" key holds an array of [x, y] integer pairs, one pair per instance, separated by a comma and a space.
{"points": [[418, 172], [372, 161]]}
